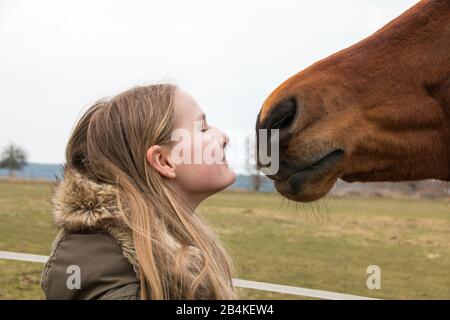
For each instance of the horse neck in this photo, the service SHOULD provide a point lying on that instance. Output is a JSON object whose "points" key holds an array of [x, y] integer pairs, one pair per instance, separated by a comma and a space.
{"points": [[414, 49]]}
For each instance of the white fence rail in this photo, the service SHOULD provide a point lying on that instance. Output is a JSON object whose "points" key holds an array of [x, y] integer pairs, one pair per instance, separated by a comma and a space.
{"points": [[304, 292]]}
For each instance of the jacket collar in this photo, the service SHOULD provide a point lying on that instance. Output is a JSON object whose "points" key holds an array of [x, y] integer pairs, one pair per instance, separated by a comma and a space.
{"points": [[82, 205]]}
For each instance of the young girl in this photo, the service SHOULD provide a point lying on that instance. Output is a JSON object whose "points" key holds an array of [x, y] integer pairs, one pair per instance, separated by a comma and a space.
{"points": [[126, 205]]}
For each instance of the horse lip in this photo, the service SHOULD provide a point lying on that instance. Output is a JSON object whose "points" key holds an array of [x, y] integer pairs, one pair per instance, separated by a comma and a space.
{"points": [[327, 160]]}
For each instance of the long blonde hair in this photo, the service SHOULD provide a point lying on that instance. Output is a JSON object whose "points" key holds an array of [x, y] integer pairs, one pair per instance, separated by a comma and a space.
{"points": [[179, 256]]}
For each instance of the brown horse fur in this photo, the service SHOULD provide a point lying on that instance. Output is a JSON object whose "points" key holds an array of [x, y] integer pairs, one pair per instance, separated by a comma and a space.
{"points": [[383, 106]]}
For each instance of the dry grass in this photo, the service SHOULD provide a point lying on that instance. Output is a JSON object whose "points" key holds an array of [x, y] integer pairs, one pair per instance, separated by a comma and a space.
{"points": [[327, 245]]}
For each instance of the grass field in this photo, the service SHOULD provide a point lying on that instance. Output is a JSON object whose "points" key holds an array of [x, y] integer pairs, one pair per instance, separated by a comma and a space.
{"points": [[326, 245]]}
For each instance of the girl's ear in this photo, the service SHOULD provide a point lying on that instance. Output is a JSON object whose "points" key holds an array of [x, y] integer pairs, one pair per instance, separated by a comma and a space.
{"points": [[159, 158]]}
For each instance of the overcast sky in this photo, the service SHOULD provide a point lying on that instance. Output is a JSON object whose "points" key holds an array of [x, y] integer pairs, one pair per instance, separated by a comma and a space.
{"points": [[57, 57]]}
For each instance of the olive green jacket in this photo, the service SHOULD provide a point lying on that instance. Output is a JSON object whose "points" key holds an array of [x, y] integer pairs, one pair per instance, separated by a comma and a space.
{"points": [[93, 256]]}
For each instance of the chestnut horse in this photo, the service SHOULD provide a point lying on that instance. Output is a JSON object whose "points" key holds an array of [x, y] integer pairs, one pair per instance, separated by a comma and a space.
{"points": [[376, 111]]}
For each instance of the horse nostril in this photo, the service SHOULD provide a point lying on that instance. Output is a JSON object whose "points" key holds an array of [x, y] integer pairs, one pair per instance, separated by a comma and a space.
{"points": [[283, 115], [280, 117]]}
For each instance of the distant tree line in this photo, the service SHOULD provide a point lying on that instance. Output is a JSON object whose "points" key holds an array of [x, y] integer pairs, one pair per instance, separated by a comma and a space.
{"points": [[12, 158]]}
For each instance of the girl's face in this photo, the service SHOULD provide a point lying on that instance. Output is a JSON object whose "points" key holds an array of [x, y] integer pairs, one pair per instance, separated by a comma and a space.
{"points": [[195, 162]]}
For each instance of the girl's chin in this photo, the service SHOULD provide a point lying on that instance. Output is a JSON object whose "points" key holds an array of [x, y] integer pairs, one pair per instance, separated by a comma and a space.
{"points": [[228, 177], [230, 172], [233, 177]]}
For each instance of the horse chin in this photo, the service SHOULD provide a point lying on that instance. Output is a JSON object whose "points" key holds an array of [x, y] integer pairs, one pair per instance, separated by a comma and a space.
{"points": [[312, 182], [302, 188]]}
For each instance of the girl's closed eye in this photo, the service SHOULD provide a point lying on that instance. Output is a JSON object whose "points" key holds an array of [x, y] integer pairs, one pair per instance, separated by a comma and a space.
{"points": [[205, 126]]}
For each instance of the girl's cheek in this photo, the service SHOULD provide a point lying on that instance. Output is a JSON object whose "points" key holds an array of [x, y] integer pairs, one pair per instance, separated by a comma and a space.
{"points": [[206, 178], [215, 175]]}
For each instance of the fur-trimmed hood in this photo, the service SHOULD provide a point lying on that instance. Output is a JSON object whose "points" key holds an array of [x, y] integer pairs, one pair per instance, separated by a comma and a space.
{"points": [[94, 245], [83, 205], [94, 236]]}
